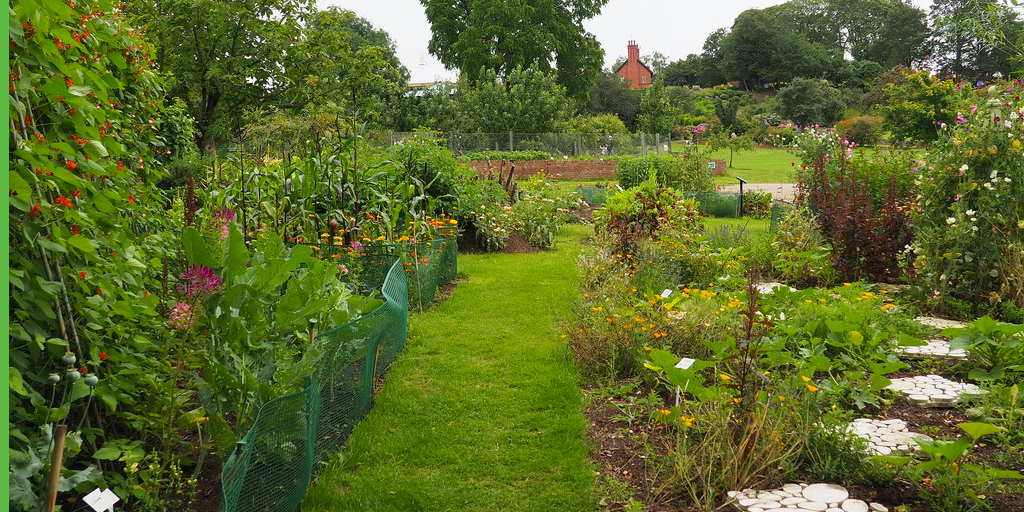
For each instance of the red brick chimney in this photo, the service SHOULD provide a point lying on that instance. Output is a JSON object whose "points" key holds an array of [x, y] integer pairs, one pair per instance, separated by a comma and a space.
{"points": [[636, 72], [632, 52]]}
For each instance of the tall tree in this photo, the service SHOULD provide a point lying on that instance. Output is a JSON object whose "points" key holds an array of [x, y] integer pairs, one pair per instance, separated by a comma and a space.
{"points": [[477, 35], [525, 101], [762, 50], [611, 95], [806, 101], [657, 114], [889, 32], [976, 37], [225, 56], [354, 65]]}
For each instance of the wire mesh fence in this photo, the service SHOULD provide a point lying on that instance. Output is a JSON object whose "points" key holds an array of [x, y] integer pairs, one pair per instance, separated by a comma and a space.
{"points": [[555, 144], [271, 467]]}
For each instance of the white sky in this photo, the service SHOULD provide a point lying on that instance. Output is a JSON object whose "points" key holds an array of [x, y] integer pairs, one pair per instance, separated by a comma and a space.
{"points": [[674, 28]]}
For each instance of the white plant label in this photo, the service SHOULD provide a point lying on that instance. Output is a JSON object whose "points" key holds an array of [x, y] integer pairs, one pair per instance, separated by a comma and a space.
{"points": [[685, 363], [101, 500], [666, 293]]}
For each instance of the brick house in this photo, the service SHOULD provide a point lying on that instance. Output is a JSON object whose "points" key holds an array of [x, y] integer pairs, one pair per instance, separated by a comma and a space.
{"points": [[638, 74]]}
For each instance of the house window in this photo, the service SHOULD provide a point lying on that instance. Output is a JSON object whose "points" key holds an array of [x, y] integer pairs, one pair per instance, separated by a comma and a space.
{"points": [[643, 78]]}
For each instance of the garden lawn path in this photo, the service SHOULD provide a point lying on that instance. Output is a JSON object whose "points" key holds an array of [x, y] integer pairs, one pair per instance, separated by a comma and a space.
{"points": [[482, 410]]}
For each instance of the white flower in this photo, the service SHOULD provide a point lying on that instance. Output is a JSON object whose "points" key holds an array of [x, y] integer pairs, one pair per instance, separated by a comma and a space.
{"points": [[1008, 180], [951, 220], [969, 212], [964, 167], [993, 175], [974, 219]]}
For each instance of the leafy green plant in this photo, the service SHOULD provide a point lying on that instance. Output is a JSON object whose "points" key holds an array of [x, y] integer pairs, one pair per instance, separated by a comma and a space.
{"points": [[742, 419], [687, 173], [947, 482], [255, 308], [995, 347], [504, 155], [970, 223]]}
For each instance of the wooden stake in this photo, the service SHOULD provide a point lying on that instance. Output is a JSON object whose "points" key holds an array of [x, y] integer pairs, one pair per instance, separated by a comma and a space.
{"points": [[55, 463]]}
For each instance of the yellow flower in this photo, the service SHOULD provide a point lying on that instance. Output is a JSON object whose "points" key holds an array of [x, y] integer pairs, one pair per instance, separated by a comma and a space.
{"points": [[736, 400], [646, 348], [724, 376], [665, 412], [688, 421], [782, 398], [811, 388], [805, 379]]}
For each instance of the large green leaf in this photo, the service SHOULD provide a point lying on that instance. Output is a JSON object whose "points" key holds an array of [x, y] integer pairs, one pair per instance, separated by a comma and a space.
{"points": [[81, 243], [16, 382], [977, 429], [95, 149], [197, 252], [236, 254]]}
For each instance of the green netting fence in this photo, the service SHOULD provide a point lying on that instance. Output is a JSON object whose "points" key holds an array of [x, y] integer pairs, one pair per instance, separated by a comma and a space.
{"points": [[779, 208], [594, 195], [429, 264], [271, 467]]}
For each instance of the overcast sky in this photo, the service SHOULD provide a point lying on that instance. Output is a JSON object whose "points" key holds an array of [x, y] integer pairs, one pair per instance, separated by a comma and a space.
{"points": [[675, 28]]}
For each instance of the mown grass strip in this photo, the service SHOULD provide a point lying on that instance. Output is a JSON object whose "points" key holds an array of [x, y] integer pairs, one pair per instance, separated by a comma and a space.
{"points": [[482, 411]]}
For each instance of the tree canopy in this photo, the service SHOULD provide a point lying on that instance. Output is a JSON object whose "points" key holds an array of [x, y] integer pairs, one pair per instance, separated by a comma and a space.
{"points": [[477, 35], [806, 102], [228, 57]]}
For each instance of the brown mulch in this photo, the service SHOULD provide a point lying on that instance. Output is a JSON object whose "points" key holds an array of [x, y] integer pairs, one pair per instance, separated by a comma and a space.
{"points": [[619, 456]]}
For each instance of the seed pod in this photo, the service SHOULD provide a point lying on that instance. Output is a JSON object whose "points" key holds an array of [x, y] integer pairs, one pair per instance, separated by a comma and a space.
{"points": [[53, 378], [91, 379], [69, 358], [73, 375]]}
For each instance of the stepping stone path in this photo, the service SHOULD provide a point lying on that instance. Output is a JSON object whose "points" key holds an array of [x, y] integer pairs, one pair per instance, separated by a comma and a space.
{"points": [[939, 323], [935, 349], [803, 497], [933, 390], [886, 436], [766, 288]]}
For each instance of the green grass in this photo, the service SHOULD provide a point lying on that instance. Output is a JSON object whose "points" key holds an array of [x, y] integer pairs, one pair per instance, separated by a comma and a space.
{"points": [[751, 226], [482, 411], [757, 166]]}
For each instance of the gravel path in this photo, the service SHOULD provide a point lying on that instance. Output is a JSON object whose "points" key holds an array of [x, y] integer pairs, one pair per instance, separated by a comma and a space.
{"points": [[784, 191]]}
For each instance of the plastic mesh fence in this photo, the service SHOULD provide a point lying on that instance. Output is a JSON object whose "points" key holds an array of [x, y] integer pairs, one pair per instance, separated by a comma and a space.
{"points": [[593, 195], [429, 264], [716, 204], [779, 208], [271, 466]]}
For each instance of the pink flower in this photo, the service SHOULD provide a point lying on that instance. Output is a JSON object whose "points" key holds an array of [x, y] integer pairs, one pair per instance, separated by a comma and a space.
{"points": [[198, 282], [181, 317]]}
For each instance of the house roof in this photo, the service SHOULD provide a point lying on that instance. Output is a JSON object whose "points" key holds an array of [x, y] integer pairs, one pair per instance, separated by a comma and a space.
{"points": [[640, 62]]}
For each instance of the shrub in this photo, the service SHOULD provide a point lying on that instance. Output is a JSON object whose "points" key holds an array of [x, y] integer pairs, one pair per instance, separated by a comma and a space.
{"points": [[867, 237], [757, 204], [779, 136], [970, 216], [687, 173], [801, 256], [861, 130], [542, 209]]}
